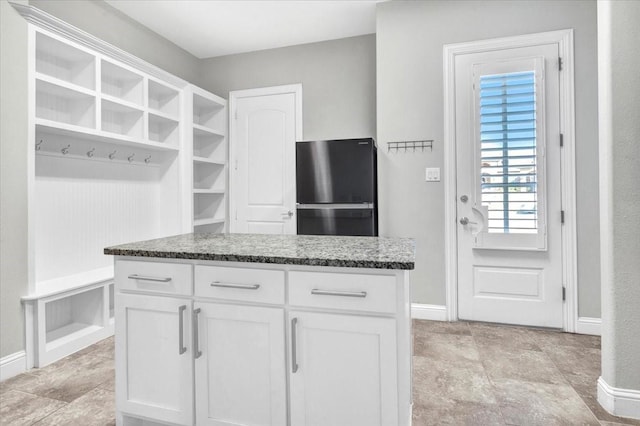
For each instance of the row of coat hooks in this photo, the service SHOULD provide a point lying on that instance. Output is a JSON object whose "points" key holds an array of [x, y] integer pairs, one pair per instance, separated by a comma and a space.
{"points": [[410, 145], [91, 154]]}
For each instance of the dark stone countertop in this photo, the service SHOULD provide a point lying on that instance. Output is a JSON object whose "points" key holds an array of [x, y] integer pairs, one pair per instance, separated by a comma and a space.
{"points": [[313, 250]]}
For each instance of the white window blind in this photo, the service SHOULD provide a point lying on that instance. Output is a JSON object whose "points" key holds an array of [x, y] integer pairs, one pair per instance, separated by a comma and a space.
{"points": [[508, 152]]}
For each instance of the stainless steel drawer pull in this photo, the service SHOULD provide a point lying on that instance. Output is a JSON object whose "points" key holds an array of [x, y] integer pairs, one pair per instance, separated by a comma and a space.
{"points": [[146, 278], [234, 285], [196, 334], [294, 351], [339, 293], [181, 347]]}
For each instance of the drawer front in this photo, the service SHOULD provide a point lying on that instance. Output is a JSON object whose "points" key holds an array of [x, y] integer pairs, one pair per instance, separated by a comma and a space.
{"points": [[154, 277], [358, 292], [248, 285]]}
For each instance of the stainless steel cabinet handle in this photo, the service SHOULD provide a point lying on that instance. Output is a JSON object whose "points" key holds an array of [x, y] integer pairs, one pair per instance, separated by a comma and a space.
{"points": [[146, 278], [196, 334], [234, 285], [339, 293], [294, 352], [181, 347]]}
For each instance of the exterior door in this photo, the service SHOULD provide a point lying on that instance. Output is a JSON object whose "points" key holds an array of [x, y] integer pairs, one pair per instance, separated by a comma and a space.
{"points": [[265, 126], [508, 186], [240, 369], [343, 370], [154, 358]]}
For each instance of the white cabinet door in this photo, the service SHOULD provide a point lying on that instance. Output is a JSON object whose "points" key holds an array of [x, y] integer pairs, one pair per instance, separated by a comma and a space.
{"points": [[343, 370], [154, 368], [240, 365]]}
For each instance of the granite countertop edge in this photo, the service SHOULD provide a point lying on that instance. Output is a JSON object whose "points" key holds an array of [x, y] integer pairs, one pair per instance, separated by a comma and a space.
{"points": [[345, 263]]}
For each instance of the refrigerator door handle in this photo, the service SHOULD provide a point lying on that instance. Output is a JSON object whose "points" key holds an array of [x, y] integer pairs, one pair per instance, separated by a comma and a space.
{"points": [[363, 206]]}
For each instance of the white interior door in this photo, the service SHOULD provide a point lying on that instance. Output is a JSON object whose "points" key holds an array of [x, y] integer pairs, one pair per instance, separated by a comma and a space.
{"points": [[508, 186], [265, 126]]}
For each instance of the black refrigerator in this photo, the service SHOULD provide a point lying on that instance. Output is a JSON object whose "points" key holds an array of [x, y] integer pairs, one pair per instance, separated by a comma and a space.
{"points": [[337, 187]]}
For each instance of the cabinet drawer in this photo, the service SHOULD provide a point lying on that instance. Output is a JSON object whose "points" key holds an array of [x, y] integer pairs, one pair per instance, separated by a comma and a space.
{"points": [[249, 285], [358, 292], [154, 277]]}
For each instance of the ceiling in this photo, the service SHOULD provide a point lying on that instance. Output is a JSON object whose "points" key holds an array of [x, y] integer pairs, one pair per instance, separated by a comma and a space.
{"points": [[208, 28]]}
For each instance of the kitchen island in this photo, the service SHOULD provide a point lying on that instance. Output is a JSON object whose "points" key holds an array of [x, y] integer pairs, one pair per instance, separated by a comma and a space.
{"points": [[235, 329]]}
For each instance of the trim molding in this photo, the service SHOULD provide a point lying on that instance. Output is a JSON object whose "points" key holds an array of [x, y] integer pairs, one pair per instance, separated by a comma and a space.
{"points": [[586, 325], [49, 22], [428, 312], [617, 401], [564, 39], [12, 365]]}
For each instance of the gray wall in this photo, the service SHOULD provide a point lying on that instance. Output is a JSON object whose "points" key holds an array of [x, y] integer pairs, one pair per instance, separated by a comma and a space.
{"points": [[109, 24], [410, 38], [620, 102], [338, 82], [13, 178]]}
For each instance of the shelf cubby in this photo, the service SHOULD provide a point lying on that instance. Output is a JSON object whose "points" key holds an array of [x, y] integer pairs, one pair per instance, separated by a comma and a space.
{"points": [[164, 99], [122, 83], [216, 227], [64, 105], [60, 60], [121, 119], [208, 113], [209, 146], [163, 130], [68, 318], [208, 176], [208, 208]]}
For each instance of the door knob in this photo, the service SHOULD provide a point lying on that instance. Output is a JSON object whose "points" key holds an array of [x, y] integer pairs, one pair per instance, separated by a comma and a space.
{"points": [[465, 221], [464, 198], [289, 214]]}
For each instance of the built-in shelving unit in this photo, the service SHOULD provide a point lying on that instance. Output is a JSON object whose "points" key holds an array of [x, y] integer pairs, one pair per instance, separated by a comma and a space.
{"points": [[111, 139], [208, 135]]}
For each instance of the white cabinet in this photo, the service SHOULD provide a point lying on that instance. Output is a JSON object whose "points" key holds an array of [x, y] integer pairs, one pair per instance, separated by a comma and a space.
{"points": [[240, 367], [343, 370], [154, 358]]}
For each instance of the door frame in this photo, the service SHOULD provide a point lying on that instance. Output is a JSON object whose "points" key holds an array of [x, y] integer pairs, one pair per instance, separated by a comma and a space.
{"points": [[564, 39], [234, 96]]}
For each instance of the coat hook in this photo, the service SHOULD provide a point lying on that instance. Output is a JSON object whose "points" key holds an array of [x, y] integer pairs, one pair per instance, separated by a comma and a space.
{"points": [[90, 153], [130, 158], [65, 150], [147, 160], [112, 155], [38, 145]]}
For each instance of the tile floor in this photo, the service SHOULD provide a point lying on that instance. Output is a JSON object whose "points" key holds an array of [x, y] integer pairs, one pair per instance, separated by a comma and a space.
{"points": [[464, 374]]}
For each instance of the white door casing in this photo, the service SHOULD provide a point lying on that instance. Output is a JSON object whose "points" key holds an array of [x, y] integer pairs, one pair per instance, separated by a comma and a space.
{"points": [[264, 126], [494, 276]]}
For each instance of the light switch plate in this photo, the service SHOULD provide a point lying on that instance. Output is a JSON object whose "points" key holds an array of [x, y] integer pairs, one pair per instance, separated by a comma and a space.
{"points": [[433, 174]]}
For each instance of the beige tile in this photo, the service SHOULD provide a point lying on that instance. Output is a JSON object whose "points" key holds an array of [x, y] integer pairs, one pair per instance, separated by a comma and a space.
{"points": [[531, 404], [109, 384], [505, 363], [602, 414], [461, 413], [19, 408], [552, 339], [440, 383], [456, 327], [96, 408], [105, 348], [445, 347], [69, 381], [503, 336]]}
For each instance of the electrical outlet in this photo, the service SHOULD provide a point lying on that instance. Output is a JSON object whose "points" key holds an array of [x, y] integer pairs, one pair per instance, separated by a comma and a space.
{"points": [[432, 174]]}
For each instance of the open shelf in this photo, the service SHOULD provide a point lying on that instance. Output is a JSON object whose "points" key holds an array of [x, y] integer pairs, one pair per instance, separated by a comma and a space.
{"points": [[69, 318], [121, 119], [216, 227], [208, 208], [208, 113], [122, 84], [164, 99], [163, 130], [207, 161], [208, 176], [62, 61], [64, 105], [207, 146]]}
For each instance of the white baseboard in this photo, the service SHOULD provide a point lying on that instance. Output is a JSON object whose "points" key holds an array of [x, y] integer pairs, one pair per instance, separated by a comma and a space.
{"points": [[586, 325], [619, 402], [12, 365], [428, 312]]}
